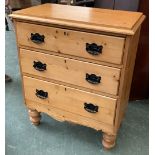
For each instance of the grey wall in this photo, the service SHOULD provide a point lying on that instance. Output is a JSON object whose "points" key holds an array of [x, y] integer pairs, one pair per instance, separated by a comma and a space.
{"points": [[130, 5]]}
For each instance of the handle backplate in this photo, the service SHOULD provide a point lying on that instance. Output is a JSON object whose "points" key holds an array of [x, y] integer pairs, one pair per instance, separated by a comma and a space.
{"points": [[38, 65], [91, 107], [93, 48], [41, 94], [93, 79], [37, 38]]}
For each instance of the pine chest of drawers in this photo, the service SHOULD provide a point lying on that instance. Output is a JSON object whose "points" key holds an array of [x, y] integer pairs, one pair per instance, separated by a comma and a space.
{"points": [[77, 63]]}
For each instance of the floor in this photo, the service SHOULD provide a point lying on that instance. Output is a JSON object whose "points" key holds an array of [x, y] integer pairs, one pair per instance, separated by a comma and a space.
{"points": [[55, 138]]}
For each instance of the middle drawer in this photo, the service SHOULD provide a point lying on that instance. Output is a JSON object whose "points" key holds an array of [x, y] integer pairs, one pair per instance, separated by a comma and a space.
{"points": [[75, 72]]}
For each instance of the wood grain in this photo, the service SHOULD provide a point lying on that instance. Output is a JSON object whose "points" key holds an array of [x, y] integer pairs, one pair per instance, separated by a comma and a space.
{"points": [[70, 99], [126, 77], [64, 50], [72, 42], [62, 116], [92, 18], [34, 116], [108, 141], [71, 71], [70, 85], [140, 81], [73, 57]]}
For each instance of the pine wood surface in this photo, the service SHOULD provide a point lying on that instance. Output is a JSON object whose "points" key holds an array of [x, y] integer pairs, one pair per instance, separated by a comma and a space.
{"points": [[34, 116], [62, 115], [70, 99], [72, 42], [71, 71], [72, 57], [108, 141], [126, 78], [92, 18], [64, 52]]}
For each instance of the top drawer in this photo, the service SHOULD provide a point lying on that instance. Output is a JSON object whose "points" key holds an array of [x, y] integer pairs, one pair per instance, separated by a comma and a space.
{"points": [[76, 43]]}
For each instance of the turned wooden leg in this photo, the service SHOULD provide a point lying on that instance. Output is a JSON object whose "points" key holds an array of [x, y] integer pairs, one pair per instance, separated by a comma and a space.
{"points": [[34, 116], [108, 141]]}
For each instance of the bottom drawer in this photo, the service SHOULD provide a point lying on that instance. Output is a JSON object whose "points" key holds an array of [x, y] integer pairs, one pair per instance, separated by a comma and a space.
{"points": [[90, 105]]}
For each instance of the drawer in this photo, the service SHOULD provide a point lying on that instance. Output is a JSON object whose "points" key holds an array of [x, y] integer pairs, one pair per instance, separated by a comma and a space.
{"points": [[89, 105], [75, 43], [83, 74]]}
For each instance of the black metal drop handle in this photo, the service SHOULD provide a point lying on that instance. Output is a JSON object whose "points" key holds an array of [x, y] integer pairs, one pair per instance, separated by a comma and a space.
{"points": [[37, 38], [39, 65], [93, 79], [94, 49], [41, 94], [91, 107]]}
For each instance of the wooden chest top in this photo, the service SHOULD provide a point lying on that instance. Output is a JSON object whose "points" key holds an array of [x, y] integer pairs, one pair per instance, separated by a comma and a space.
{"points": [[115, 21]]}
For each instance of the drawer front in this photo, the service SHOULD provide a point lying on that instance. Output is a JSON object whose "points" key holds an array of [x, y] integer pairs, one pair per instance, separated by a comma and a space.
{"points": [[76, 101], [75, 43], [83, 74], [62, 115]]}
